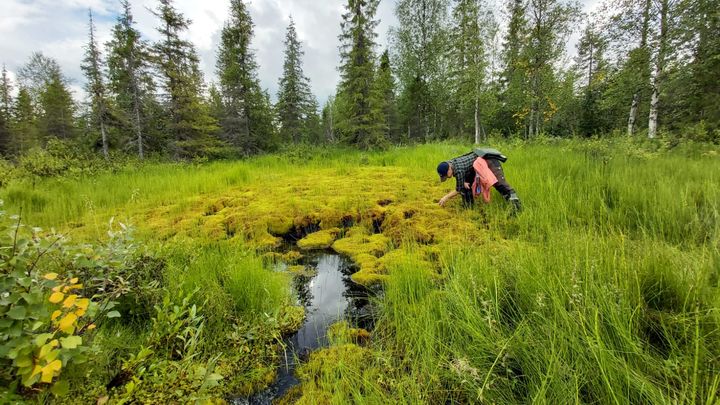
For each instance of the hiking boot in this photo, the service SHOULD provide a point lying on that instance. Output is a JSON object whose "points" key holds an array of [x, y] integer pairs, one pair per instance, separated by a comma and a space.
{"points": [[515, 201]]}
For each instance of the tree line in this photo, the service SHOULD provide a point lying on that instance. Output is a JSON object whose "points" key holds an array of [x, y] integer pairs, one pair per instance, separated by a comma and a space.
{"points": [[450, 70]]}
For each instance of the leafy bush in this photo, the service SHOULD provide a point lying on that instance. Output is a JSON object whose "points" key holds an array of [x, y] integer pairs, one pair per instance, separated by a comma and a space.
{"points": [[52, 301], [43, 316], [7, 172]]}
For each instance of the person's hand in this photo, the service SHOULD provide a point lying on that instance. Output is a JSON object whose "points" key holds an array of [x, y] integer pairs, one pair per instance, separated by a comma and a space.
{"points": [[442, 202], [467, 185]]}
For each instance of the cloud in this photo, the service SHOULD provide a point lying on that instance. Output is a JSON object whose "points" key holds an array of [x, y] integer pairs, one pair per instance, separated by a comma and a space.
{"points": [[58, 28]]}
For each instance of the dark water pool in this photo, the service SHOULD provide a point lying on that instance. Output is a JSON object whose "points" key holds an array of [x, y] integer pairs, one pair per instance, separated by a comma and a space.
{"points": [[329, 296]]}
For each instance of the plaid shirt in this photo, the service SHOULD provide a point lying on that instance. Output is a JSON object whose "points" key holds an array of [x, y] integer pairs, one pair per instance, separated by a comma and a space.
{"points": [[461, 166]]}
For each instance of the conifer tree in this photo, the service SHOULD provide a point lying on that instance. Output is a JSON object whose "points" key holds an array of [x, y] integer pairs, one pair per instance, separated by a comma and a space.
{"points": [[95, 86], [5, 113], [57, 110], [129, 78], [592, 71], [190, 126], [702, 28], [24, 123], [359, 108], [514, 76], [6, 89], [247, 119], [385, 87], [296, 106]]}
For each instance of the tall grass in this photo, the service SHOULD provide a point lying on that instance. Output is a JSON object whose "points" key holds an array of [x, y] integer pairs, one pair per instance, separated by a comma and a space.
{"points": [[604, 290]]}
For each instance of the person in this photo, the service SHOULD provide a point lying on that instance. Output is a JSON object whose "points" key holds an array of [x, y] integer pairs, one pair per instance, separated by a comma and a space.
{"points": [[475, 173]]}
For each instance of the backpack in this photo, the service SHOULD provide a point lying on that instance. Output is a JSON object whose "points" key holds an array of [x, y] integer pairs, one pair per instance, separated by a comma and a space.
{"points": [[490, 153]]}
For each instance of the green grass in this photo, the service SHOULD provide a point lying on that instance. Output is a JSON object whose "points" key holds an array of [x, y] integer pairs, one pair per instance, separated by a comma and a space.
{"points": [[604, 290]]}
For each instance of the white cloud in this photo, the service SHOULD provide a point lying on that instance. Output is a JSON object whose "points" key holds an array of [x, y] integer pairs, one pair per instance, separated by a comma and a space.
{"points": [[58, 28]]}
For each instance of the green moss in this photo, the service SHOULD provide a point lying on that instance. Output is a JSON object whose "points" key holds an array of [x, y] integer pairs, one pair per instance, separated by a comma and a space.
{"points": [[319, 240], [291, 319]]}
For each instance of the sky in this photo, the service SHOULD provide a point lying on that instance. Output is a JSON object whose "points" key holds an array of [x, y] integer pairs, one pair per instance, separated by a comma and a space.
{"points": [[58, 29]]}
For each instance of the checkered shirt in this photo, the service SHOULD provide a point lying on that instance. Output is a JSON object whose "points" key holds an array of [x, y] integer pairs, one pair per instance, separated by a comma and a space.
{"points": [[461, 165]]}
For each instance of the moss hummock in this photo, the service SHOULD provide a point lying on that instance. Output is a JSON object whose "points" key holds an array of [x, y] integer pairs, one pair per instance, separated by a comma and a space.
{"points": [[319, 240]]}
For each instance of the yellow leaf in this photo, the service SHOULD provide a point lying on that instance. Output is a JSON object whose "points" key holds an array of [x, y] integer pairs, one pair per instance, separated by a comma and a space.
{"points": [[47, 375], [66, 324], [72, 287], [80, 312], [55, 365], [50, 276], [69, 301], [91, 327], [56, 297], [73, 280], [56, 314], [54, 343], [56, 289], [82, 303], [37, 370]]}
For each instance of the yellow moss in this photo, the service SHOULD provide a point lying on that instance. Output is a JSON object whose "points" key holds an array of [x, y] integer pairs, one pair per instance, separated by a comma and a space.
{"points": [[368, 277], [304, 271], [292, 256], [280, 225], [319, 240], [356, 243], [341, 332]]}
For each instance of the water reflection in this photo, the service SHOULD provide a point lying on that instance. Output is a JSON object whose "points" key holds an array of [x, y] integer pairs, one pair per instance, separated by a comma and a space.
{"points": [[328, 297]]}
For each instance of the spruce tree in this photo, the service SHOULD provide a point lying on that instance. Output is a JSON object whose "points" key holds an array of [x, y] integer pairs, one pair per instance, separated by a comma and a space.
{"points": [[702, 27], [385, 87], [24, 124], [592, 71], [57, 108], [95, 86], [6, 89], [247, 119], [514, 78], [296, 106], [190, 127], [359, 108], [129, 78], [5, 113]]}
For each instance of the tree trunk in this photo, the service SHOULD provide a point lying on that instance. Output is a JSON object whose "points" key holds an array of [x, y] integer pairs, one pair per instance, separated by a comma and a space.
{"points": [[636, 95], [138, 131], [104, 139], [659, 70], [477, 122], [633, 113]]}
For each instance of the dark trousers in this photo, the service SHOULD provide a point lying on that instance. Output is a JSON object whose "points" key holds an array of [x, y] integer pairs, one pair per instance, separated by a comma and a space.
{"points": [[502, 186]]}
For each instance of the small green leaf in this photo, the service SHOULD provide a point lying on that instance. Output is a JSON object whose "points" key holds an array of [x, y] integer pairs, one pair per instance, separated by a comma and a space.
{"points": [[42, 338], [113, 314], [17, 312], [71, 342], [60, 388]]}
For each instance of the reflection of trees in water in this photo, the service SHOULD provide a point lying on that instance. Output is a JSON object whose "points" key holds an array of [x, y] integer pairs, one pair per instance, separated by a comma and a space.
{"points": [[359, 311], [302, 288]]}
